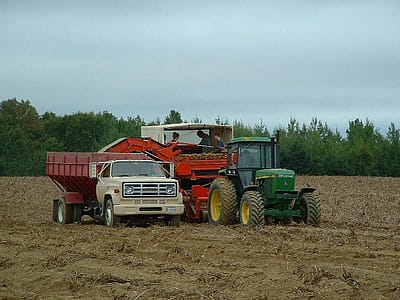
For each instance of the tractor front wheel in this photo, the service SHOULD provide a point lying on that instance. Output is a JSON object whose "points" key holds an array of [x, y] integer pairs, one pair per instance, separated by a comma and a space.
{"points": [[252, 209], [310, 209], [222, 202]]}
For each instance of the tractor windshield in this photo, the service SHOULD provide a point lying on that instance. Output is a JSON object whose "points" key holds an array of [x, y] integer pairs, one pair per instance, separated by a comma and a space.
{"points": [[255, 156]]}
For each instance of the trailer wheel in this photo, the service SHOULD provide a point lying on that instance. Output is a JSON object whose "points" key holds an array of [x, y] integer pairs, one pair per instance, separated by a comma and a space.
{"points": [[222, 202], [310, 209], [252, 209], [110, 219], [55, 210], [65, 212], [78, 209]]}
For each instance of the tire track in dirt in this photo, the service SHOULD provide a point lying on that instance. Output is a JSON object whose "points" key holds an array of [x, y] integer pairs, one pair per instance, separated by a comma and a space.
{"points": [[354, 253]]}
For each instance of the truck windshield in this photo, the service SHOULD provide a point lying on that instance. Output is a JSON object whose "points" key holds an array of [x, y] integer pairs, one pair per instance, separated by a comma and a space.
{"points": [[136, 168]]}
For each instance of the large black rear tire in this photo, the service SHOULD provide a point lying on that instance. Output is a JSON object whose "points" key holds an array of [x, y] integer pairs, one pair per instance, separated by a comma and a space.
{"points": [[310, 209], [222, 202], [252, 208]]}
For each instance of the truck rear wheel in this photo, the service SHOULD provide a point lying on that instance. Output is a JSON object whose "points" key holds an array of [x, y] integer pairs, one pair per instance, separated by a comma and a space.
{"points": [[252, 209], [310, 209], [65, 212], [110, 219], [222, 202]]}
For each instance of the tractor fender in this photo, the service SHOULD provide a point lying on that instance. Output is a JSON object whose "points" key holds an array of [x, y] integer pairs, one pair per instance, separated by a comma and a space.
{"points": [[306, 190]]}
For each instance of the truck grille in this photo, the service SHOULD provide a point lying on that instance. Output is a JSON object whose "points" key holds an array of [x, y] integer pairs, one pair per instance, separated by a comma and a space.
{"points": [[141, 190]]}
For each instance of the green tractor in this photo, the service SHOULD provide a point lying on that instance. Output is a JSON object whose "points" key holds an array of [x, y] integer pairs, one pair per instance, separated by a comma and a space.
{"points": [[254, 185]]}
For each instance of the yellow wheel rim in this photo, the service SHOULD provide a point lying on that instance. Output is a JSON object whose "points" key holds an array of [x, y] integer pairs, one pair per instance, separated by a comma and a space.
{"points": [[245, 213], [216, 205]]}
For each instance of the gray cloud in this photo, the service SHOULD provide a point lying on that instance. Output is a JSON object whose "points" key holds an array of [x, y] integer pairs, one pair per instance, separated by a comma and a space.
{"points": [[244, 60]]}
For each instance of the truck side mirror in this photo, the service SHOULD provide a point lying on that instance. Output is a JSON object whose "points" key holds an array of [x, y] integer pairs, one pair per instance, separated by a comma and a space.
{"points": [[93, 170], [171, 170]]}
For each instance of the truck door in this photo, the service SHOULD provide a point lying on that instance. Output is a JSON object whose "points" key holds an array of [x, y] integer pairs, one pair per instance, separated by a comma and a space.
{"points": [[103, 182]]}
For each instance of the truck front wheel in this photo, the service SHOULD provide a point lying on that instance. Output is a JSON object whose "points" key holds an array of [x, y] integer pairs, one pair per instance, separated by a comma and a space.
{"points": [[78, 212], [110, 219], [173, 220]]}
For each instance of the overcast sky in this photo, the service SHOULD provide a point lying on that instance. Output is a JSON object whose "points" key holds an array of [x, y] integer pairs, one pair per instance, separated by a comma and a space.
{"points": [[240, 60]]}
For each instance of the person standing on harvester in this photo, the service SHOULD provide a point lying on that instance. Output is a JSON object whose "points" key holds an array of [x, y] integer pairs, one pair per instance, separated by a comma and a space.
{"points": [[220, 146]]}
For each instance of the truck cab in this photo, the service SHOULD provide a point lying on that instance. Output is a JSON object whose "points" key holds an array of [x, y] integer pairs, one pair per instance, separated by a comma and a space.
{"points": [[138, 188]]}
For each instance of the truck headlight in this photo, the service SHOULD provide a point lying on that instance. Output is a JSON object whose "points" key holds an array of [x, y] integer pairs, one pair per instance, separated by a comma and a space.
{"points": [[129, 190], [171, 189]]}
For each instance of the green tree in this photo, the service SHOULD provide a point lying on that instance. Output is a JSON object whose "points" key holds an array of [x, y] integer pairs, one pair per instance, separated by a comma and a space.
{"points": [[362, 145], [174, 117], [261, 129], [21, 114], [157, 121], [54, 131], [220, 121], [21, 134], [335, 162], [390, 160], [239, 129], [294, 154], [197, 120]]}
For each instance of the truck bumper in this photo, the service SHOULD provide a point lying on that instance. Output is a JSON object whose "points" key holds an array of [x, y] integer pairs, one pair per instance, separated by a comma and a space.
{"points": [[155, 210]]}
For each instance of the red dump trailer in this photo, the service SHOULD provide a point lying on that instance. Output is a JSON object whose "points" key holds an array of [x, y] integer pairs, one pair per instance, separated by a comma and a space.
{"points": [[112, 186], [70, 171]]}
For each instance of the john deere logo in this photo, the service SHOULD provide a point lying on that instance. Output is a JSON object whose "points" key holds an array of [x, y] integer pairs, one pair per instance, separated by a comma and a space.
{"points": [[285, 183]]}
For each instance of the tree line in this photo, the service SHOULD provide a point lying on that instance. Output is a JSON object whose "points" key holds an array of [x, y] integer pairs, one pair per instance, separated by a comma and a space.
{"points": [[313, 149]]}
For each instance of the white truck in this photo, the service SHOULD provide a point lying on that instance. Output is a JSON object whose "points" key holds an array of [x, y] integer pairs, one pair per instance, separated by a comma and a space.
{"points": [[114, 187]]}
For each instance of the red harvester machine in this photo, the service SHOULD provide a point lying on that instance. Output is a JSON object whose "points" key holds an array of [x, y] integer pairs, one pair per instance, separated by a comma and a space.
{"points": [[196, 166]]}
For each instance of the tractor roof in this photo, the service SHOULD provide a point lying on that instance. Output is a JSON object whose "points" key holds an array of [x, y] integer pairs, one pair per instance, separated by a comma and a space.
{"points": [[255, 139]]}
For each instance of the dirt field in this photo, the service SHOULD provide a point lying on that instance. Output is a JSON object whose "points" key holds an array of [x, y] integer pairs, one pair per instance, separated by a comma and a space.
{"points": [[353, 254]]}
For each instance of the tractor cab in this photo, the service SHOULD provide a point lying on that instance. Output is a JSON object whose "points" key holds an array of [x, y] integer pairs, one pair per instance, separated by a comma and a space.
{"points": [[248, 155]]}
